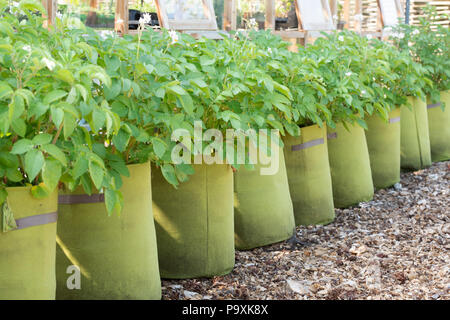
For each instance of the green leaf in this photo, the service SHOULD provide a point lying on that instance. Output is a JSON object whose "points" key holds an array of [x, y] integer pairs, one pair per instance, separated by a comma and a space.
{"points": [[19, 126], [43, 138], [80, 167], [8, 222], [5, 90], [168, 172], [98, 119], [187, 103], [178, 90], [16, 107], [199, 83], [22, 146], [54, 96], [96, 172], [110, 200], [65, 75], [159, 147], [114, 90], [122, 138], [14, 175], [40, 191], [55, 152], [70, 123], [34, 161], [206, 61], [51, 173], [57, 115], [38, 109], [82, 90]]}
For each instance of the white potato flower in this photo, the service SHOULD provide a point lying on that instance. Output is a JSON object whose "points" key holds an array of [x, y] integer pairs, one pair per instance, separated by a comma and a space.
{"points": [[173, 34], [147, 17], [341, 38], [49, 63], [348, 74]]}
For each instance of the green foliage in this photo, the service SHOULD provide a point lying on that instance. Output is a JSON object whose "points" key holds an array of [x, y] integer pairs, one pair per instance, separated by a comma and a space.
{"points": [[49, 84], [77, 106], [428, 44]]}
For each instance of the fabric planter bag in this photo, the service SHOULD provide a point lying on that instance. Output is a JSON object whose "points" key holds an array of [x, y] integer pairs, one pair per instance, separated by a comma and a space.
{"points": [[439, 126], [27, 252], [194, 223], [116, 255], [351, 175], [383, 142], [414, 139], [309, 177], [263, 212]]}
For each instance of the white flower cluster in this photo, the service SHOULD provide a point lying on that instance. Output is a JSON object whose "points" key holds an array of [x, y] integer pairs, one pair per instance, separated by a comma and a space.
{"points": [[49, 63], [173, 34], [415, 32], [348, 74], [145, 19], [252, 24], [399, 35], [341, 38]]}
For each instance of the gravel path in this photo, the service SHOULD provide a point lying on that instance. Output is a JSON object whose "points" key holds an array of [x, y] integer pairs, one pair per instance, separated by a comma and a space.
{"points": [[394, 247]]}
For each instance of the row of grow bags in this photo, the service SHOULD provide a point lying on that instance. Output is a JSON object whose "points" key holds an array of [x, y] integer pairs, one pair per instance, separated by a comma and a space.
{"points": [[195, 230]]}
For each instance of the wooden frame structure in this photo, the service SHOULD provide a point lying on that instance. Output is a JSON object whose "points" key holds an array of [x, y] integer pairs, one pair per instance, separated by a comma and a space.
{"points": [[187, 24], [318, 10], [195, 27], [390, 12]]}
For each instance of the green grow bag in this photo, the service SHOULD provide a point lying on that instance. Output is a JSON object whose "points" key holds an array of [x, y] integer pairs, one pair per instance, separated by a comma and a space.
{"points": [[439, 126], [194, 223], [415, 140], [117, 255], [383, 142], [309, 176], [27, 254], [263, 212], [351, 175]]}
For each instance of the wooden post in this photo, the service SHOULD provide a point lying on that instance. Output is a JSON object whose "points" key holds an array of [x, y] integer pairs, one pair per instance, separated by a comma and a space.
{"points": [[379, 20], [121, 18], [334, 11], [229, 15], [270, 15], [50, 7], [91, 19], [359, 15], [346, 9]]}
